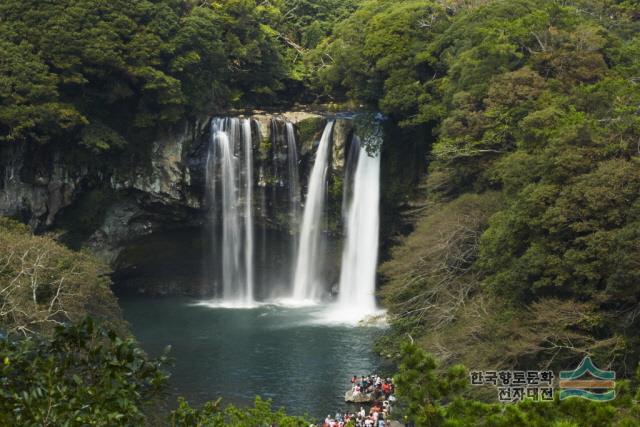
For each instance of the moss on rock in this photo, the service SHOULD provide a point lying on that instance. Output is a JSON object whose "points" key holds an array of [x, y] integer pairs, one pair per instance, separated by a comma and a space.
{"points": [[309, 130]]}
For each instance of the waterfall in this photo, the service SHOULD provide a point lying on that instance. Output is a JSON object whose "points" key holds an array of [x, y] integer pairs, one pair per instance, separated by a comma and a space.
{"points": [[307, 283], [294, 180], [261, 201], [233, 181], [349, 171], [237, 255], [248, 208], [294, 190], [360, 252]]}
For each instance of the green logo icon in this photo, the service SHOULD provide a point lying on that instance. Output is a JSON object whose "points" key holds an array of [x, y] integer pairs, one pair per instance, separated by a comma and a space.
{"points": [[588, 382]]}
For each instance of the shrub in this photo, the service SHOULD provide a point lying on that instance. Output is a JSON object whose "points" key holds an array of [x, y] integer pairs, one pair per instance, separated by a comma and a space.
{"points": [[84, 375]]}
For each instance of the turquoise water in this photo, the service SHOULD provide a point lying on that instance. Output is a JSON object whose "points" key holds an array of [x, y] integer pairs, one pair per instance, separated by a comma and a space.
{"points": [[290, 355]]}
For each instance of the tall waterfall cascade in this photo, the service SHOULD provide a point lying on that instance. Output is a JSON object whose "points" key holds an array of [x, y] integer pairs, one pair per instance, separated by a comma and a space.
{"points": [[356, 298], [308, 284], [230, 184]]}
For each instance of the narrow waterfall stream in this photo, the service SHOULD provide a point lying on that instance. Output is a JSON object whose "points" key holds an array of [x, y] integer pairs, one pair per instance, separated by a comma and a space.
{"points": [[294, 186], [248, 210], [307, 282]]}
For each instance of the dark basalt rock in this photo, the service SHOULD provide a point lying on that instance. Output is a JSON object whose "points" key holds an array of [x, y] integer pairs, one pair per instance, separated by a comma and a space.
{"points": [[108, 202]]}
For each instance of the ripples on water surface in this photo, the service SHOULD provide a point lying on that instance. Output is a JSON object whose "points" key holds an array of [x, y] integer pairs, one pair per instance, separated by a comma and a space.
{"points": [[290, 355]]}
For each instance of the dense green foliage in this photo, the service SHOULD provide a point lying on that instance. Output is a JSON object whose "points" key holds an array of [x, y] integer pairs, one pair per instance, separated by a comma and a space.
{"points": [[536, 101], [429, 398], [308, 22], [84, 375], [376, 55], [108, 74], [102, 72], [212, 414], [421, 387]]}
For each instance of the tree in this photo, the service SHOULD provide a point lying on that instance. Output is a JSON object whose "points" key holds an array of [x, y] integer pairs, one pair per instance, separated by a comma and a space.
{"points": [[537, 102], [421, 388], [30, 107], [43, 284], [84, 375], [211, 414], [377, 56]]}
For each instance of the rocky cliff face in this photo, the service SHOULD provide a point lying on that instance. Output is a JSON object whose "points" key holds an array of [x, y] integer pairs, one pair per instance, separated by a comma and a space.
{"points": [[103, 202], [36, 183], [100, 201]]}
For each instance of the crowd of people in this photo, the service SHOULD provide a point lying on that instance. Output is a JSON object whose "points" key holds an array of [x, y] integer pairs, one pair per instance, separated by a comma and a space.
{"points": [[372, 384], [380, 390]]}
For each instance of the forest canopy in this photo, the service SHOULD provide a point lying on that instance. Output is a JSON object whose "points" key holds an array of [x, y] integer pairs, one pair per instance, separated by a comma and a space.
{"points": [[96, 72], [101, 73]]}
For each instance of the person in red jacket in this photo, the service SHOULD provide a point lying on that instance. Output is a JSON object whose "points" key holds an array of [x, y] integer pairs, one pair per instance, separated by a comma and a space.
{"points": [[386, 389]]}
